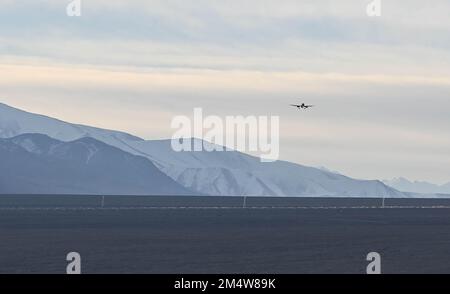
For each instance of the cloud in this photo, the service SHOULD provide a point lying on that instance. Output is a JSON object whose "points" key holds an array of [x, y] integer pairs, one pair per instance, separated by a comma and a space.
{"points": [[410, 38]]}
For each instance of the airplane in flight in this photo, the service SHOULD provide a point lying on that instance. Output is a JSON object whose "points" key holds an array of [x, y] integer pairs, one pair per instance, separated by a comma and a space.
{"points": [[302, 106]]}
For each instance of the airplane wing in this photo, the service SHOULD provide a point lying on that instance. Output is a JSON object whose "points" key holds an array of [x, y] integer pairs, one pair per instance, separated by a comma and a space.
{"points": [[295, 105]]}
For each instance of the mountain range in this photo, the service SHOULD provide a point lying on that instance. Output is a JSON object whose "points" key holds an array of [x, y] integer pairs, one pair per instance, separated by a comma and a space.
{"points": [[406, 185], [46, 155], [38, 164]]}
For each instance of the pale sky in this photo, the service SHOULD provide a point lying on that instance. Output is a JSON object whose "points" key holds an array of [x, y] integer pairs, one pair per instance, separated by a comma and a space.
{"points": [[381, 85]]}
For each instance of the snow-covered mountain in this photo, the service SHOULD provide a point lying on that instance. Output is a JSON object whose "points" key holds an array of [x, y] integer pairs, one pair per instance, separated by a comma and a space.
{"points": [[38, 164], [236, 173], [213, 173], [15, 122], [406, 185]]}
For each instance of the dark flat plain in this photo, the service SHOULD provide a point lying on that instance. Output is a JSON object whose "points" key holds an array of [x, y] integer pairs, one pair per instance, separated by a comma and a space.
{"points": [[36, 233]]}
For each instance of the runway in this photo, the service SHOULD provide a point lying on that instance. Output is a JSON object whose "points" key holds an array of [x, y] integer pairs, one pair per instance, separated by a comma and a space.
{"points": [[216, 208], [93, 202], [224, 239]]}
